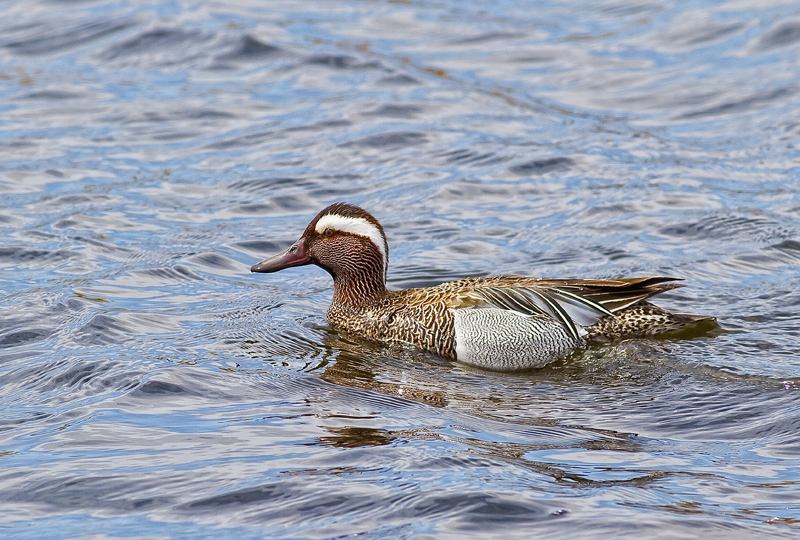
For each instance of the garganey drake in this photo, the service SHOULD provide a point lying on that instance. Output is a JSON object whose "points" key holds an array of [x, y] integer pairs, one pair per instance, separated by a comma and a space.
{"points": [[499, 323]]}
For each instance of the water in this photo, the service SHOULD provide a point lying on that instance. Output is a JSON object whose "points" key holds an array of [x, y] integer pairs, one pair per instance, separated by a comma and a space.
{"points": [[151, 152]]}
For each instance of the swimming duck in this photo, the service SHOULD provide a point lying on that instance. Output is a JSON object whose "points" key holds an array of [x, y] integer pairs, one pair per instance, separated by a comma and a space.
{"points": [[499, 323]]}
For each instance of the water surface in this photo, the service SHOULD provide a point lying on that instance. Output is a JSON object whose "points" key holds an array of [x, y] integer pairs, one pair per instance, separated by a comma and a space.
{"points": [[151, 152]]}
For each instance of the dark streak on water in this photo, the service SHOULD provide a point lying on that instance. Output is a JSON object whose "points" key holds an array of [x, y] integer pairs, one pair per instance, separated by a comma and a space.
{"points": [[152, 387]]}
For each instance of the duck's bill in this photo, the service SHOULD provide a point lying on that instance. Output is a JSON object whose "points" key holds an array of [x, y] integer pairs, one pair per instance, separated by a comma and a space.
{"points": [[294, 256]]}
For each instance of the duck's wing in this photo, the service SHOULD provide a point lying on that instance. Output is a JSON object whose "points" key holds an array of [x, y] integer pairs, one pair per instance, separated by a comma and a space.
{"points": [[613, 294], [573, 303]]}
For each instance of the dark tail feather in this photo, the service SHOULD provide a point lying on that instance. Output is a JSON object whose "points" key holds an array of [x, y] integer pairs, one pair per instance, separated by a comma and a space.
{"points": [[685, 318]]}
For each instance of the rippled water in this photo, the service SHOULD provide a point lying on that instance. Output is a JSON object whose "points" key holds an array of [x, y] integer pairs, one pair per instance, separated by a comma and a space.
{"points": [[151, 152]]}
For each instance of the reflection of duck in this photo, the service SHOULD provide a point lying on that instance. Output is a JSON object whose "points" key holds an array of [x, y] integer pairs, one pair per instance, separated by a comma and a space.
{"points": [[402, 373], [501, 323]]}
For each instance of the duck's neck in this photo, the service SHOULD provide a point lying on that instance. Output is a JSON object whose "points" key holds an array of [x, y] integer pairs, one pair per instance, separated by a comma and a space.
{"points": [[358, 288]]}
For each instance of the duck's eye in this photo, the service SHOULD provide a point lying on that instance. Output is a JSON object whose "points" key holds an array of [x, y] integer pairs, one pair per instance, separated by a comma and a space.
{"points": [[328, 232]]}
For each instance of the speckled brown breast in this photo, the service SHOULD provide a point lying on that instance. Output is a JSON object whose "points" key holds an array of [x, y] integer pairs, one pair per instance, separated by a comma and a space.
{"points": [[420, 317]]}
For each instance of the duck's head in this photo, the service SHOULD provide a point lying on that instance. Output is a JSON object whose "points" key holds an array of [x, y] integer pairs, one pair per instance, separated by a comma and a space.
{"points": [[346, 241]]}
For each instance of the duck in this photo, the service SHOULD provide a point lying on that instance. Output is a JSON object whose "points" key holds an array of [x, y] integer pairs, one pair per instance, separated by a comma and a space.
{"points": [[501, 323]]}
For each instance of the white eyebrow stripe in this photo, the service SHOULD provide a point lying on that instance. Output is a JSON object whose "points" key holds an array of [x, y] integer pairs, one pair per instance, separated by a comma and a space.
{"points": [[354, 225]]}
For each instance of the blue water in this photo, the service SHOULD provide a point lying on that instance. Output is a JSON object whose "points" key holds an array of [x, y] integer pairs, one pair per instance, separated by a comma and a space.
{"points": [[152, 387]]}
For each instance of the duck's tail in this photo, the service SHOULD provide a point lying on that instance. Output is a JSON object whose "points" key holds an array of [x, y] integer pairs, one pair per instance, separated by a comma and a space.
{"points": [[646, 319]]}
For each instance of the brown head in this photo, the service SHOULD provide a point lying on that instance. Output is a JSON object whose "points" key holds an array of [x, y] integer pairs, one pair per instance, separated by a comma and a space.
{"points": [[346, 241]]}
